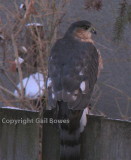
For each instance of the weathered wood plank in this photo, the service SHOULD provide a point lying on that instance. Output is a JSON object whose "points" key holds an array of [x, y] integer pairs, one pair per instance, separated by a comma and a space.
{"points": [[20, 141], [106, 139], [51, 140], [103, 139]]}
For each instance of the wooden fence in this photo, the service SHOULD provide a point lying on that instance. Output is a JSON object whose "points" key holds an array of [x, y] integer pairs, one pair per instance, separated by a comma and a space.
{"points": [[18, 141], [103, 139]]}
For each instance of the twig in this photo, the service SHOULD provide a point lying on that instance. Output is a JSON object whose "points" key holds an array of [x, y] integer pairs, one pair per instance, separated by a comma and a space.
{"points": [[7, 91], [19, 67], [103, 46], [116, 89], [12, 82]]}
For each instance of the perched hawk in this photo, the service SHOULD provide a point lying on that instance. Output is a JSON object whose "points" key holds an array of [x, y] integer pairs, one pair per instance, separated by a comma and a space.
{"points": [[72, 73]]}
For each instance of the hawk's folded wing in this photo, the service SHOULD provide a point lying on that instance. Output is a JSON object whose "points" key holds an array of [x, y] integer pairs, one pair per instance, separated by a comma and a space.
{"points": [[72, 73]]}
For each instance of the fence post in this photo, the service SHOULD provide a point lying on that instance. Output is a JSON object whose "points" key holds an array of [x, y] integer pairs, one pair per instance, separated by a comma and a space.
{"points": [[20, 141]]}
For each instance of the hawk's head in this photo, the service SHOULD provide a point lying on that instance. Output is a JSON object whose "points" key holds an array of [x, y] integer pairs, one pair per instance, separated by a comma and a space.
{"points": [[82, 30]]}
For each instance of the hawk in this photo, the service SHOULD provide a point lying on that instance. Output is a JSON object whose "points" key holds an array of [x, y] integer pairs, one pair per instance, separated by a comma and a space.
{"points": [[73, 68]]}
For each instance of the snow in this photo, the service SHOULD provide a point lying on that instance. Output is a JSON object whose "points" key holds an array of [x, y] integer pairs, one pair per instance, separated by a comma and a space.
{"points": [[22, 5], [20, 60], [24, 49], [49, 82], [14, 108], [33, 86], [34, 24], [108, 118], [10, 107]]}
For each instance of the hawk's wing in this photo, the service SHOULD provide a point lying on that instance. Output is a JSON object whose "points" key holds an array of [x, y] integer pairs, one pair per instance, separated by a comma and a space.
{"points": [[72, 73]]}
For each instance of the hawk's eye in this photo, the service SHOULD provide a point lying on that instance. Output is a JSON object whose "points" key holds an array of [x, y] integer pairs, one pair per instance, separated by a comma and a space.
{"points": [[85, 27]]}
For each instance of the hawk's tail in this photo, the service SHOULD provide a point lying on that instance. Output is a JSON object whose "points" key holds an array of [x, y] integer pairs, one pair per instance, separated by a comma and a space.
{"points": [[70, 130]]}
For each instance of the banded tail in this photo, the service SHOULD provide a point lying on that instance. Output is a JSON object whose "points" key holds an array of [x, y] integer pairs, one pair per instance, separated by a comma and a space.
{"points": [[70, 132]]}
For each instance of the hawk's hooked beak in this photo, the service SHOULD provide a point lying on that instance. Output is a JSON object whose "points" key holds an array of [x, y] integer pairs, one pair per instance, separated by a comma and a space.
{"points": [[93, 30]]}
